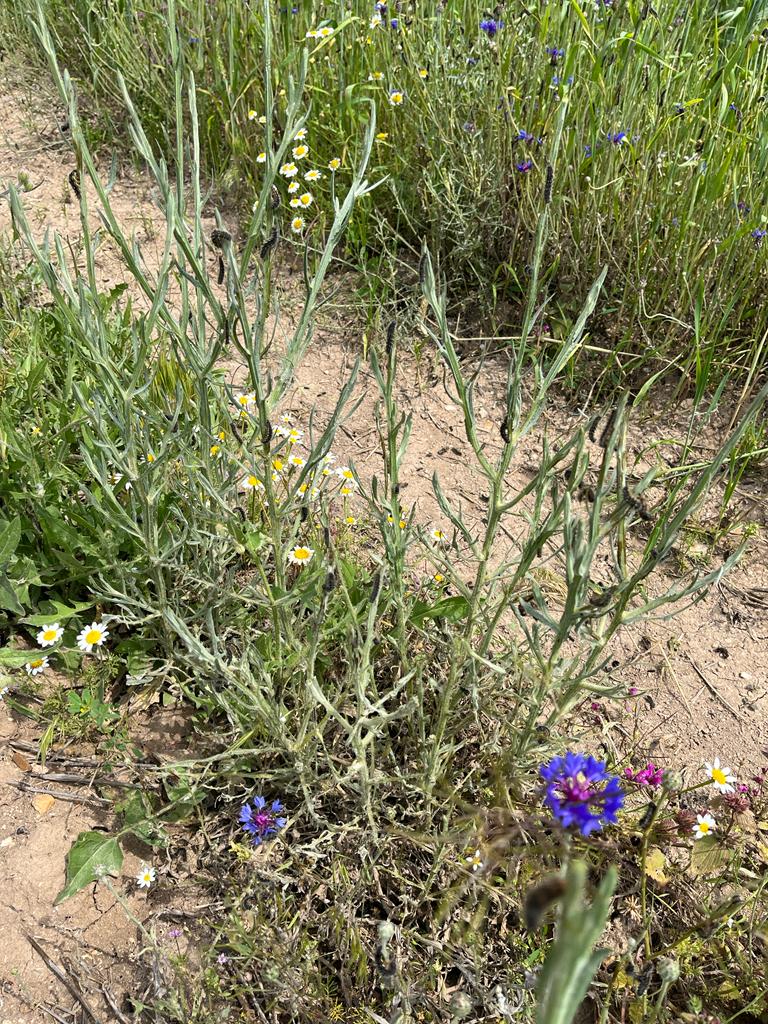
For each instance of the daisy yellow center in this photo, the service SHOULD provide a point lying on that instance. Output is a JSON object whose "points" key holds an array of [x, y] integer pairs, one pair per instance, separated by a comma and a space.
{"points": [[703, 826], [253, 481], [719, 776], [36, 663], [49, 634], [150, 457], [302, 554], [93, 636]]}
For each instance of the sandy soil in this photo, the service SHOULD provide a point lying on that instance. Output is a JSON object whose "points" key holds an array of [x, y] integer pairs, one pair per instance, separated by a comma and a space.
{"points": [[702, 676]]}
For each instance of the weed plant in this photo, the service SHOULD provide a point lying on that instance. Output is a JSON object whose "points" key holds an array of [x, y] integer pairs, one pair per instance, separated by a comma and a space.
{"points": [[661, 177], [395, 691]]}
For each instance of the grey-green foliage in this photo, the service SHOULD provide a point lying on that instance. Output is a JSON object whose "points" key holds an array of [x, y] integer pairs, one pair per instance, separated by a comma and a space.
{"points": [[572, 960]]}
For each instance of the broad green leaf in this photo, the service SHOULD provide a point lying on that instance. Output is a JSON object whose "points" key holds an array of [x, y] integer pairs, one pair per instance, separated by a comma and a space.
{"points": [[708, 857], [92, 855], [451, 608], [10, 535], [8, 596], [254, 540], [60, 611], [12, 657]]}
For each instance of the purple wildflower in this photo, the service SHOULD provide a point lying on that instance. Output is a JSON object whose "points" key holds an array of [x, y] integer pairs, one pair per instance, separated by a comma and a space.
{"points": [[174, 933], [575, 796], [490, 26], [524, 136], [222, 958], [648, 776], [617, 138], [587, 151], [759, 234], [395, 24], [554, 54], [259, 821], [523, 166]]}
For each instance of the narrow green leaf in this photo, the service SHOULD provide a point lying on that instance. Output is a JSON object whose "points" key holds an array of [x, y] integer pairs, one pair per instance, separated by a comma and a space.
{"points": [[10, 535]]}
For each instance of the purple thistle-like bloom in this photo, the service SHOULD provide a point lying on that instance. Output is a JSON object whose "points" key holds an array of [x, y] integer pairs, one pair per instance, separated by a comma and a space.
{"points": [[260, 821], [490, 26], [524, 166], [648, 776], [575, 793]]}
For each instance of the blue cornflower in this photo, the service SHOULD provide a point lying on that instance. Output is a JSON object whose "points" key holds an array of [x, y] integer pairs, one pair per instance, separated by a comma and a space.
{"points": [[554, 53], [617, 138], [259, 821], [524, 136], [395, 24], [759, 234], [575, 794], [524, 166], [491, 26], [587, 150]]}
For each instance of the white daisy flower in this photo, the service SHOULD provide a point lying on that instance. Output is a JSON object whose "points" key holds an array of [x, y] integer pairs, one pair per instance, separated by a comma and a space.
{"points": [[345, 473], [296, 460], [92, 636], [313, 175], [50, 635], [246, 401], [146, 876], [297, 225], [289, 170], [722, 779], [294, 187], [300, 134], [475, 860], [251, 483], [335, 164], [705, 824], [261, 158], [300, 555], [295, 202], [36, 666], [300, 151], [438, 536]]}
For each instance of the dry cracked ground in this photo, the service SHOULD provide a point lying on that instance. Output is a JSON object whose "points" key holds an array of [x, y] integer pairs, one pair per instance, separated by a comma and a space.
{"points": [[702, 677]]}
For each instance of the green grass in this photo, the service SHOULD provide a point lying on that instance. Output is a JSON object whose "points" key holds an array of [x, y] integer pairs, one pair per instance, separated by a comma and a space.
{"points": [[401, 718], [670, 210]]}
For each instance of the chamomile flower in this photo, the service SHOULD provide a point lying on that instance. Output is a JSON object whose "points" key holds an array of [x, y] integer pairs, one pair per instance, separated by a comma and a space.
{"points": [[149, 458], [300, 555], [345, 473], [294, 187], [297, 225], [376, 21], [423, 73], [252, 115], [251, 483], [278, 465], [396, 98], [325, 31], [313, 175], [438, 536], [296, 460], [350, 520], [300, 134], [36, 666], [475, 860], [334, 164], [50, 635], [146, 876], [705, 824], [92, 636], [313, 33], [289, 170], [300, 151], [722, 778], [305, 199], [246, 401], [295, 202], [294, 435], [215, 451], [347, 489], [376, 76], [261, 158]]}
